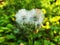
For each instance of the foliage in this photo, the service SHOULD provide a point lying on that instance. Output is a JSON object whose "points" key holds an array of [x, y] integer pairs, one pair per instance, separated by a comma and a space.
{"points": [[49, 34]]}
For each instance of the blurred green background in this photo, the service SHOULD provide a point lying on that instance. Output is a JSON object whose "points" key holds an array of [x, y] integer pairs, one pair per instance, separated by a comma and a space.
{"points": [[49, 34]]}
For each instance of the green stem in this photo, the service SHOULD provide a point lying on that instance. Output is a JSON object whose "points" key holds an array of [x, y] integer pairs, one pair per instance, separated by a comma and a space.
{"points": [[30, 41]]}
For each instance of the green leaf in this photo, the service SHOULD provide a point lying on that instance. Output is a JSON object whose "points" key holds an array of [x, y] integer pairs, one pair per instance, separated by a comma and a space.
{"points": [[36, 43], [1, 30], [0, 34], [2, 39], [16, 31], [11, 36], [10, 26]]}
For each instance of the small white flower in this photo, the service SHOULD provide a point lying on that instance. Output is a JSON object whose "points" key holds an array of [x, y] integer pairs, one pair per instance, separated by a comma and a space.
{"points": [[34, 16], [20, 16]]}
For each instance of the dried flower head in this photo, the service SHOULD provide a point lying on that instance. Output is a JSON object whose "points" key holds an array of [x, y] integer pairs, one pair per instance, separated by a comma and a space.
{"points": [[34, 16]]}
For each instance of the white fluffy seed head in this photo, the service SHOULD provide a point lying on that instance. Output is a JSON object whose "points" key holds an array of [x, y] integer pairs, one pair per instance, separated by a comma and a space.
{"points": [[34, 16]]}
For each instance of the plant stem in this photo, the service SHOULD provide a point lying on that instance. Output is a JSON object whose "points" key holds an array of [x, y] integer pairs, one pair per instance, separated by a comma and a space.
{"points": [[30, 41]]}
